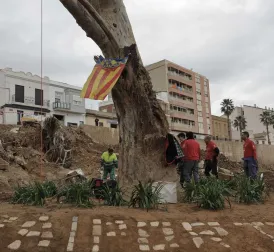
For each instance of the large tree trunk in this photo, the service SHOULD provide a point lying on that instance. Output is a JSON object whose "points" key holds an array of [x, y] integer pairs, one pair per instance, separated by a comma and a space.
{"points": [[142, 122]]}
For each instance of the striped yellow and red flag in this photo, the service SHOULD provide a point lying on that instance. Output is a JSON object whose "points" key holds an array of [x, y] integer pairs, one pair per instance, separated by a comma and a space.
{"points": [[103, 78]]}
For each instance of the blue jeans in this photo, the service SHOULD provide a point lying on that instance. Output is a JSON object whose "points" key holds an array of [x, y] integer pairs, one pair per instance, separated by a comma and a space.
{"points": [[188, 169], [250, 167]]}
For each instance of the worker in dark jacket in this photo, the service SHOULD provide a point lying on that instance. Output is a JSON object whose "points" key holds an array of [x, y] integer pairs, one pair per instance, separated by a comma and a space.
{"points": [[250, 156], [211, 161], [109, 162]]}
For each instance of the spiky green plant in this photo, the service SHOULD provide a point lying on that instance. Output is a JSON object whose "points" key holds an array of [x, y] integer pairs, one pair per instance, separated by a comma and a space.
{"points": [[213, 194], [33, 194], [113, 196], [50, 188], [250, 190], [209, 193], [146, 195], [191, 190], [77, 194]]}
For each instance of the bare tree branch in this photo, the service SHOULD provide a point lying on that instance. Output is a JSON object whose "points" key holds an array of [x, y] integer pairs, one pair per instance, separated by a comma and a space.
{"points": [[92, 11], [90, 26]]}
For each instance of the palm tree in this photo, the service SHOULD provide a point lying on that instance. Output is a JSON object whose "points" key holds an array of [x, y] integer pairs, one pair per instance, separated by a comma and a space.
{"points": [[267, 118], [227, 108], [240, 123]]}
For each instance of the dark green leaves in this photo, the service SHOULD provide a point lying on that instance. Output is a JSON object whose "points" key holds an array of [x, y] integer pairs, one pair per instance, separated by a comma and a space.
{"points": [[146, 196], [34, 194]]}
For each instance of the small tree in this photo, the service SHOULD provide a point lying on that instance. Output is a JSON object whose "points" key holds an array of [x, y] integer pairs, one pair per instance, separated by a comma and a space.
{"points": [[267, 118], [227, 108], [240, 123]]}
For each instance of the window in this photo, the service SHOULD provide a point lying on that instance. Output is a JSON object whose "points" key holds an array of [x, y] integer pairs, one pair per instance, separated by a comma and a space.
{"points": [[201, 125], [101, 124], [81, 122], [263, 142], [57, 100], [200, 114], [19, 93], [199, 102], [77, 100], [39, 113], [77, 103], [38, 97]]}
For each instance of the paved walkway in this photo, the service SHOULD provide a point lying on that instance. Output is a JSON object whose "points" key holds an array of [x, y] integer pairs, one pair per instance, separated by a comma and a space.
{"points": [[136, 235]]}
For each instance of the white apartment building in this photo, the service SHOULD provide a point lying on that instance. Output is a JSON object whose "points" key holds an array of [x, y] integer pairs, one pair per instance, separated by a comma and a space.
{"points": [[255, 128], [21, 94]]}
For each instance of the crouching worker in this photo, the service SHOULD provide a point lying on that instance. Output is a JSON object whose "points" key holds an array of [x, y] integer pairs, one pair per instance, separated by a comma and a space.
{"points": [[109, 162], [211, 162]]}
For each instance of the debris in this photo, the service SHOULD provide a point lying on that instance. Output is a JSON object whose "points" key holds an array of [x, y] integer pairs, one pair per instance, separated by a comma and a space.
{"points": [[75, 176]]}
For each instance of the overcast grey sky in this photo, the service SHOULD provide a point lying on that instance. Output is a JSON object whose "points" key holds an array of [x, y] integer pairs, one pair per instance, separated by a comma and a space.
{"points": [[229, 41]]}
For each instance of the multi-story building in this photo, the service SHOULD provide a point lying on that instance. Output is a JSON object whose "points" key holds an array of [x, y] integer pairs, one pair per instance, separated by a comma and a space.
{"points": [[254, 126], [21, 94], [219, 128], [108, 106], [184, 96], [188, 97]]}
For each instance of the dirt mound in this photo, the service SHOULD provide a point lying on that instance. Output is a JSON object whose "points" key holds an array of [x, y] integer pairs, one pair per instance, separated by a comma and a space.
{"points": [[21, 148], [225, 163]]}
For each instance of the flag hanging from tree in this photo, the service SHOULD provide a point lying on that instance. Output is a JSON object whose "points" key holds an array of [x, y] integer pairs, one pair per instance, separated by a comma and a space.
{"points": [[103, 78]]}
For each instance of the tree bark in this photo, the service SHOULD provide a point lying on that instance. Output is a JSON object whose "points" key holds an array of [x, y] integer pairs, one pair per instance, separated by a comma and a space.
{"points": [[228, 127], [142, 123], [267, 132]]}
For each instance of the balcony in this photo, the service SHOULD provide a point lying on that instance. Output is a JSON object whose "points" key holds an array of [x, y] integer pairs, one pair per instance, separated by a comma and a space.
{"points": [[61, 105], [181, 102], [183, 115], [30, 101], [181, 127], [174, 88], [179, 77]]}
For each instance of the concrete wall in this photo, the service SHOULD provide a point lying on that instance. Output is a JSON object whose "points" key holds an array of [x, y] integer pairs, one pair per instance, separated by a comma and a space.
{"points": [[102, 135], [158, 75], [90, 120], [233, 150]]}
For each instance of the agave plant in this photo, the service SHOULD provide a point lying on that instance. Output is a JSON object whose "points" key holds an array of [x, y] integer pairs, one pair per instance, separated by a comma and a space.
{"points": [[251, 190], [213, 194], [50, 189], [77, 194], [209, 193], [113, 196], [146, 196], [33, 194]]}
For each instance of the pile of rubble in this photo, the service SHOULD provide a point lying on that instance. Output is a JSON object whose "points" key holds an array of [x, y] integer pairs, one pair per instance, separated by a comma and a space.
{"points": [[22, 159], [225, 163]]}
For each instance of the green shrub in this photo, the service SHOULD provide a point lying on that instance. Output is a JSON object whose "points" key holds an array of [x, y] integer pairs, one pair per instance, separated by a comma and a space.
{"points": [[250, 190], [209, 193], [146, 196], [113, 196], [191, 190], [33, 194], [77, 194], [213, 194], [50, 189]]}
